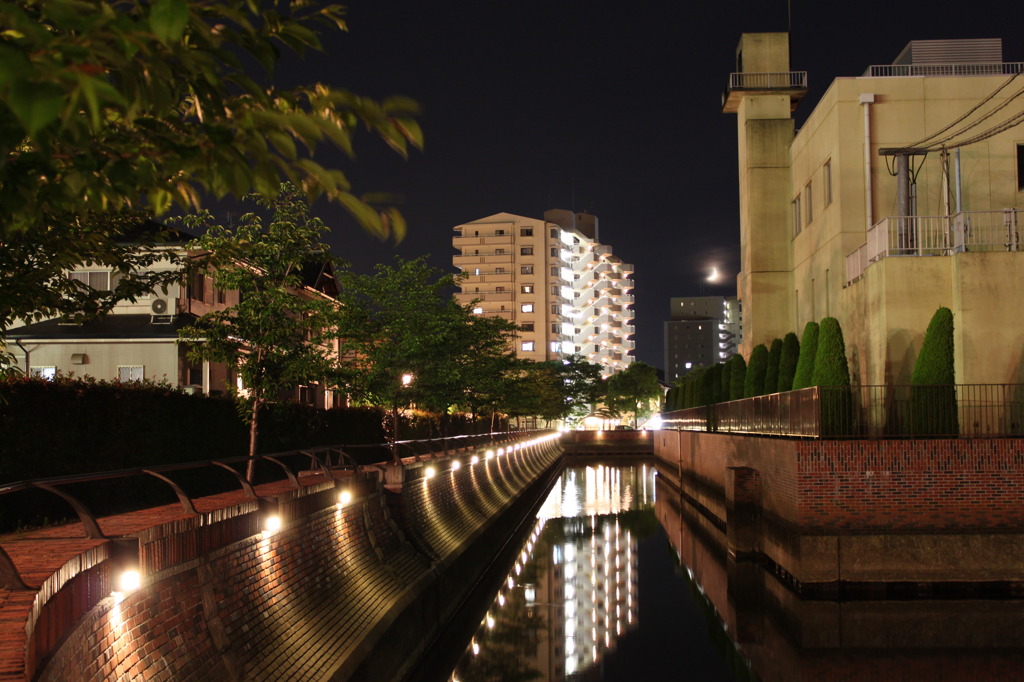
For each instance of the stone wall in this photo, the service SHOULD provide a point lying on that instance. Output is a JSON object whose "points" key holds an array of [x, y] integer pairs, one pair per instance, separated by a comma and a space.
{"points": [[223, 601]]}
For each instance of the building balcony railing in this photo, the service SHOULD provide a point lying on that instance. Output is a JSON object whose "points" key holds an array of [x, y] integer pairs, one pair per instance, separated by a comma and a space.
{"points": [[937, 236], [963, 410], [918, 70], [793, 83], [481, 258]]}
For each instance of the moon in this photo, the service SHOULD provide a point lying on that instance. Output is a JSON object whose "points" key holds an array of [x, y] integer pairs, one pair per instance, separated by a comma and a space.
{"points": [[713, 276]]}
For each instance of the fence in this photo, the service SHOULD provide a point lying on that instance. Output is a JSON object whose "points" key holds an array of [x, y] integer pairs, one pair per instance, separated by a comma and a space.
{"points": [[963, 410]]}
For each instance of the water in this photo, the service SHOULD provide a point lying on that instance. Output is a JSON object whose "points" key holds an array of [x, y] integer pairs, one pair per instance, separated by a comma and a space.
{"points": [[596, 593]]}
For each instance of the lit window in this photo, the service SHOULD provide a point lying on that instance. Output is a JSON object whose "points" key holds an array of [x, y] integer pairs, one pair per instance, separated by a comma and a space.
{"points": [[47, 373], [527, 308], [478, 310], [476, 271], [526, 289], [527, 346]]}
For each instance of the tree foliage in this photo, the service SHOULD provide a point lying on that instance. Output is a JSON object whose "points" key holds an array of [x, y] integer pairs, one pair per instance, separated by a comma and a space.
{"points": [[808, 353], [737, 377], [279, 334], [830, 364], [581, 384], [787, 362], [753, 382], [771, 376], [113, 106], [635, 390], [934, 401]]}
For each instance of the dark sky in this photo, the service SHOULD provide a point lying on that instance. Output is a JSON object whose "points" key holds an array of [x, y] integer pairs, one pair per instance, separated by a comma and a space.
{"points": [[611, 108]]}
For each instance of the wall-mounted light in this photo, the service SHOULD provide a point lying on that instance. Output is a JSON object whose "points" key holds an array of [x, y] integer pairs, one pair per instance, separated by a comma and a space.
{"points": [[129, 581], [430, 472], [271, 524], [474, 459], [456, 465], [344, 498]]}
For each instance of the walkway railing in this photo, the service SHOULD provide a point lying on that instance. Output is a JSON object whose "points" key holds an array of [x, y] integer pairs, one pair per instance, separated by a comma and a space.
{"points": [[963, 410]]}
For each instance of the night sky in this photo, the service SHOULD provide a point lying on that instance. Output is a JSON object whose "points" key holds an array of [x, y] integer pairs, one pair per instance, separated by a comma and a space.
{"points": [[610, 108]]}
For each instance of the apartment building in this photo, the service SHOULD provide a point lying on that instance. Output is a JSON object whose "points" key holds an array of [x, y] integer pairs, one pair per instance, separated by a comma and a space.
{"points": [[701, 331], [567, 292], [901, 193]]}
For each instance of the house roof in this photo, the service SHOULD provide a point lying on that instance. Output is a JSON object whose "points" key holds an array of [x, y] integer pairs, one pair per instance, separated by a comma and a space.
{"points": [[109, 327]]}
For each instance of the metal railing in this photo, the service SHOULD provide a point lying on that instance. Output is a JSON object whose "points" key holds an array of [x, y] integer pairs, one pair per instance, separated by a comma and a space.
{"points": [[963, 410], [768, 81], [944, 235], [975, 69]]}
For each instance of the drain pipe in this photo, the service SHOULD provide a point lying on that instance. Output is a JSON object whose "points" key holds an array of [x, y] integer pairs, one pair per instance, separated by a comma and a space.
{"points": [[866, 100]]}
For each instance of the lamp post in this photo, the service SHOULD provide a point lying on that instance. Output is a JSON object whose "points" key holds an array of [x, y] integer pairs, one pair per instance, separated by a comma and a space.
{"points": [[406, 380]]}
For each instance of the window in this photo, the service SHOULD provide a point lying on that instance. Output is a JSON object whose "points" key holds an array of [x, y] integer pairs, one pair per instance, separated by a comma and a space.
{"points": [[94, 280], [526, 289], [499, 252], [526, 270], [554, 252], [47, 373], [597, 348], [554, 271], [554, 309], [827, 177], [499, 290], [197, 287], [527, 308], [554, 233], [478, 310], [554, 290], [526, 251], [499, 271], [222, 296], [526, 327], [527, 346], [476, 271], [127, 373], [1020, 168], [810, 207], [555, 328], [797, 225], [499, 233], [526, 232]]}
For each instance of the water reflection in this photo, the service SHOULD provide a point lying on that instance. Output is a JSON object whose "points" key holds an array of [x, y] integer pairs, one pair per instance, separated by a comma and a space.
{"points": [[572, 592]]}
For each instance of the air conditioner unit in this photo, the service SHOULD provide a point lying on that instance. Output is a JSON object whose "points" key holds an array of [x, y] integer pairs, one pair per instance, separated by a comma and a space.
{"points": [[159, 306]]}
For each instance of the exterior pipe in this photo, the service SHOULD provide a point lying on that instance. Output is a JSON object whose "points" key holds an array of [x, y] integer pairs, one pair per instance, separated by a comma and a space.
{"points": [[866, 100]]}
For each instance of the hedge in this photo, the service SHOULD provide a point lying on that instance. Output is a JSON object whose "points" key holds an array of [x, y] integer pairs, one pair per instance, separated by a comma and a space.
{"points": [[787, 362], [934, 401], [808, 352], [753, 384], [771, 377]]}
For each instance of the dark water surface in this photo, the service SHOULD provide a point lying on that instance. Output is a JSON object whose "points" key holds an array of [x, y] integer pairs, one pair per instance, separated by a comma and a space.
{"points": [[621, 580]]}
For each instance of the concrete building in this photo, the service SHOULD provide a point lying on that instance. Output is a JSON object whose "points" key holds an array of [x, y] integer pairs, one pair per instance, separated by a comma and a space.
{"points": [[827, 230], [702, 331], [566, 291]]}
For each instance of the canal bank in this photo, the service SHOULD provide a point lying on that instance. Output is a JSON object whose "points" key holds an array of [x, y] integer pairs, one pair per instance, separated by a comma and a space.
{"points": [[332, 579]]}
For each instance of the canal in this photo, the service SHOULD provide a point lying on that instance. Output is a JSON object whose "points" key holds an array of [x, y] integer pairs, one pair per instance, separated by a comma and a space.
{"points": [[619, 579]]}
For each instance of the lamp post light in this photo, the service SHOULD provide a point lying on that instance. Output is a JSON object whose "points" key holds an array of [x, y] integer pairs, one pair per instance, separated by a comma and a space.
{"points": [[406, 381]]}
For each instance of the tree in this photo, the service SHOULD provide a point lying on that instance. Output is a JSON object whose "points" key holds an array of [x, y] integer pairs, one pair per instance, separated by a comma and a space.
{"points": [[581, 384], [787, 362], [753, 382], [279, 334], [830, 365], [537, 389], [771, 376], [112, 106], [635, 389], [726, 386], [737, 377], [808, 353], [934, 390]]}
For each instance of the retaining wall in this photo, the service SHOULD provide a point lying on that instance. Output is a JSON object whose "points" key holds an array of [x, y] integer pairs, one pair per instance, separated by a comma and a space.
{"points": [[884, 510], [316, 600]]}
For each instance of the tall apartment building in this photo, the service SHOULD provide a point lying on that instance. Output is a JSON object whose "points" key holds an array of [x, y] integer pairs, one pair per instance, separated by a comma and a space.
{"points": [[702, 331], [827, 230], [565, 290]]}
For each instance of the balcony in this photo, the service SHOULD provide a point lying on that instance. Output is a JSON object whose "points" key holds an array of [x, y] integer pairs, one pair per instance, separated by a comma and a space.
{"points": [[481, 259], [792, 83], [936, 236]]}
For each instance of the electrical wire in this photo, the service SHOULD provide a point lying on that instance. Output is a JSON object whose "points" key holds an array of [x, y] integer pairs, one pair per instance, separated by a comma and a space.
{"points": [[969, 112], [948, 140]]}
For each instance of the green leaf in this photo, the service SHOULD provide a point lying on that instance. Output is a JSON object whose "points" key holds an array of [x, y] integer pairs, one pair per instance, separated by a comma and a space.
{"points": [[35, 104], [168, 19]]}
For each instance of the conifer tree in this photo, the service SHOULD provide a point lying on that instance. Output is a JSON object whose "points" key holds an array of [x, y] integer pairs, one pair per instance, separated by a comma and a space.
{"points": [[808, 352]]}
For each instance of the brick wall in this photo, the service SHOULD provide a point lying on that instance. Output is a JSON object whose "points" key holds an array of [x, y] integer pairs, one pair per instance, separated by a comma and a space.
{"points": [[307, 602]]}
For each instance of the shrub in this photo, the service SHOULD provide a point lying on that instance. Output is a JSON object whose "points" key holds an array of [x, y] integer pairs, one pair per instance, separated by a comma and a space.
{"points": [[726, 385], [934, 394], [771, 377], [787, 362], [808, 352], [737, 377], [753, 384], [830, 366]]}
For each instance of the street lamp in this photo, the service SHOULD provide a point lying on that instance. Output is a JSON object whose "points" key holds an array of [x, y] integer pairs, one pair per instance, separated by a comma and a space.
{"points": [[406, 381]]}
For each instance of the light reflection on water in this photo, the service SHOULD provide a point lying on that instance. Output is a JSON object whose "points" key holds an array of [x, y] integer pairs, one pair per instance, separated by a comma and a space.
{"points": [[572, 593]]}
